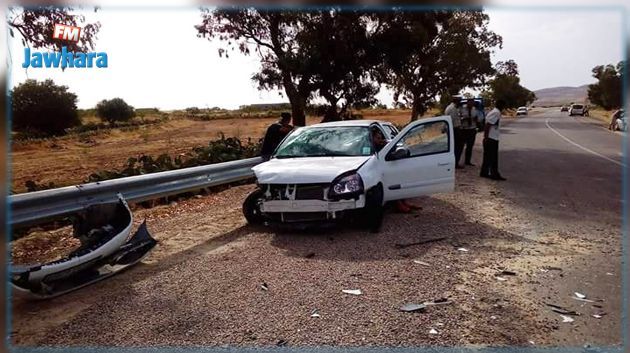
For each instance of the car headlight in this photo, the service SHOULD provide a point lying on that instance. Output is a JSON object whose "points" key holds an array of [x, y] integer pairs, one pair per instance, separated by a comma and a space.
{"points": [[348, 185]]}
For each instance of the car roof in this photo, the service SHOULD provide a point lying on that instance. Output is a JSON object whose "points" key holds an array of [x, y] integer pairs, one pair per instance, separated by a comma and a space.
{"points": [[358, 122]]}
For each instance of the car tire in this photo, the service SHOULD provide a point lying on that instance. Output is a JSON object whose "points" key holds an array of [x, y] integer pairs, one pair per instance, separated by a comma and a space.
{"points": [[374, 208], [251, 208]]}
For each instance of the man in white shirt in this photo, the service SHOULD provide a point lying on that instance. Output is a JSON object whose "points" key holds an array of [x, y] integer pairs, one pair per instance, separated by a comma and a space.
{"points": [[490, 166], [470, 116], [453, 110]]}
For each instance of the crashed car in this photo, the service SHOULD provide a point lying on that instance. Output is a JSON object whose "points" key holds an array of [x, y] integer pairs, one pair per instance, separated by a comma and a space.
{"points": [[329, 171], [107, 247]]}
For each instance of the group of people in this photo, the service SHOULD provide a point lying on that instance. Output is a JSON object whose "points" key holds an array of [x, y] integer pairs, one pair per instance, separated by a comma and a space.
{"points": [[467, 120]]}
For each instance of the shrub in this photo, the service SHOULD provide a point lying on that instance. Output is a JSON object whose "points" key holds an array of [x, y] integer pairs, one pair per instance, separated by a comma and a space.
{"points": [[43, 108], [114, 110]]}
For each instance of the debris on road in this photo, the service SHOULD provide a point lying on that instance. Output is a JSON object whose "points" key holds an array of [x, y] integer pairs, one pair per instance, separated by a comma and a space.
{"points": [[508, 273], [281, 343], [599, 315], [440, 301], [462, 249], [401, 246], [566, 319], [352, 291], [315, 313], [499, 278], [421, 263], [264, 286], [580, 295], [433, 331], [560, 310], [609, 274], [412, 307]]}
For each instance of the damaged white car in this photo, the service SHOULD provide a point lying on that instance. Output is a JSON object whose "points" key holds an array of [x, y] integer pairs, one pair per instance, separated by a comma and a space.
{"points": [[328, 171]]}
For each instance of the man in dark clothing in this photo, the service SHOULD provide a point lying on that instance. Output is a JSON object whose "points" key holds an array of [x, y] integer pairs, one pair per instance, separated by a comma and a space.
{"points": [[470, 118], [275, 134], [490, 165]]}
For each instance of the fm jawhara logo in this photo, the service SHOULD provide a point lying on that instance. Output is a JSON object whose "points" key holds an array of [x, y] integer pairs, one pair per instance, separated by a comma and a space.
{"points": [[64, 58]]}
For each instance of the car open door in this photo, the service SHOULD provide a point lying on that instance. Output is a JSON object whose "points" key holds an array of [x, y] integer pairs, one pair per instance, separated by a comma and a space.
{"points": [[420, 160]]}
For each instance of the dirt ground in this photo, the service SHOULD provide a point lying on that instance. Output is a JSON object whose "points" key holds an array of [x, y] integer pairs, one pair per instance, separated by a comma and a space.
{"points": [[202, 284], [70, 160]]}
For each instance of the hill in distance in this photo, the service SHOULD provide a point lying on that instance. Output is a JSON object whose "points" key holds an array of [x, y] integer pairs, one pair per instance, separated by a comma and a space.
{"points": [[557, 96]]}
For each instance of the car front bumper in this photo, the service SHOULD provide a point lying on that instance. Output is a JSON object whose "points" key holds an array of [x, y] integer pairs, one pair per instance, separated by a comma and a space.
{"points": [[299, 206]]}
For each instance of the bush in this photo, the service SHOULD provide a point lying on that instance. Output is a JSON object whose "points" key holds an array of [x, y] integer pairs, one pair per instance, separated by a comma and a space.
{"points": [[43, 108], [114, 110]]}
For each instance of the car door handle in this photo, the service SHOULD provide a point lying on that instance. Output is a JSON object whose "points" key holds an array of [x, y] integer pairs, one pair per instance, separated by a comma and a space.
{"points": [[443, 164]]}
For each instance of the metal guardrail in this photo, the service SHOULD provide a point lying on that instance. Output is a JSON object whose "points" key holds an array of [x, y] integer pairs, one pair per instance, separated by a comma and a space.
{"points": [[34, 207]]}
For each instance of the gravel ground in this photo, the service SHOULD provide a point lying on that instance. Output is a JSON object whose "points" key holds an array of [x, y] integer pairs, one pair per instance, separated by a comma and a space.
{"points": [[202, 284]]}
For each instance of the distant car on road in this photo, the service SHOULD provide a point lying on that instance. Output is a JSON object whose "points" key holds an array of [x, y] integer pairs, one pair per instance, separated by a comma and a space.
{"points": [[564, 108], [521, 111], [576, 109]]}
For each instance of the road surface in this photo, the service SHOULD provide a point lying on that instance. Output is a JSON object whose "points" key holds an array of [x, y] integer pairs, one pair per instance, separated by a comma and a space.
{"points": [[554, 226]]}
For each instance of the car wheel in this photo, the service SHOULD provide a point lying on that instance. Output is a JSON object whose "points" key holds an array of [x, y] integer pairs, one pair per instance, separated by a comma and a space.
{"points": [[251, 208], [374, 208]]}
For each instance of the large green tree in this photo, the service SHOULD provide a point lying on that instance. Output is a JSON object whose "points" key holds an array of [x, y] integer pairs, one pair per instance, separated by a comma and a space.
{"points": [[35, 26], [607, 91], [43, 107], [274, 36], [430, 53], [506, 85]]}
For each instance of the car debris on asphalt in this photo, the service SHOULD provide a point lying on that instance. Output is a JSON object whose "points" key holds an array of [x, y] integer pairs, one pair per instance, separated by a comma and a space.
{"points": [[560, 310], [315, 313], [433, 331], [264, 286], [566, 318], [462, 249], [499, 278], [508, 273], [421, 263], [352, 291], [401, 246], [412, 307], [440, 301]]}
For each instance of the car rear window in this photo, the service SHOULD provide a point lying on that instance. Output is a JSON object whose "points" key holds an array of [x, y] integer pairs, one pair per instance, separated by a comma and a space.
{"points": [[577, 106]]}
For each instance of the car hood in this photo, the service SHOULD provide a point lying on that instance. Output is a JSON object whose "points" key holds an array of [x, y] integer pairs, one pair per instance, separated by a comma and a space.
{"points": [[305, 170]]}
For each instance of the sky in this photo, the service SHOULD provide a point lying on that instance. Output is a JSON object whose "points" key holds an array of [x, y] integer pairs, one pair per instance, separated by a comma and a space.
{"points": [[155, 58]]}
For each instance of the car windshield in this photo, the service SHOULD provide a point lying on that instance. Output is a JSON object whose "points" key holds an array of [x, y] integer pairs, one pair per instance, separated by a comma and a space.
{"points": [[326, 141]]}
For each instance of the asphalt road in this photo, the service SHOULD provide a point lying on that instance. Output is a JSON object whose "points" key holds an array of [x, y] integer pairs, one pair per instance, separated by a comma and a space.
{"points": [[555, 225]]}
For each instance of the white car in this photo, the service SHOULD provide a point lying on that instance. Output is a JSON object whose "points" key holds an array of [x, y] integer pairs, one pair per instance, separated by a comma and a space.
{"points": [[576, 109], [328, 171], [521, 111]]}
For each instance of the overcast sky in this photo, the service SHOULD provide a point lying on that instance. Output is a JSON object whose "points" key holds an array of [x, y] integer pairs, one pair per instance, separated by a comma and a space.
{"points": [[156, 60]]}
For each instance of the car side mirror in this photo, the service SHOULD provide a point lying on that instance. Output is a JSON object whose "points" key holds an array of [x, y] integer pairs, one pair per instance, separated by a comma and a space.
{"points": [[399, 153]]}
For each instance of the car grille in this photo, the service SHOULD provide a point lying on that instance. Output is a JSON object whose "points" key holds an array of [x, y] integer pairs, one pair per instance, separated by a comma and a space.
{"points": [[302, 191]]}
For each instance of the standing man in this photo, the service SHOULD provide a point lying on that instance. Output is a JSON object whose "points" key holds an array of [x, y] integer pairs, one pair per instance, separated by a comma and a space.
{"points": [[453, 110], [275, 134], [470, 117], [490, 166]]}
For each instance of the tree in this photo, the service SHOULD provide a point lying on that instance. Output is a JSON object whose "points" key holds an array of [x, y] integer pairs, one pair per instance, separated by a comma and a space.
{"points": [[43, 107], [506, 86], [114, 110], [36, 25], [607, 91], [431, 53], [273, 35]]}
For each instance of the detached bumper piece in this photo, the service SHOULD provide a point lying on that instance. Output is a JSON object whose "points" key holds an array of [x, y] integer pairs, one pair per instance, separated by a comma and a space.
{"points": [[105, 250]]}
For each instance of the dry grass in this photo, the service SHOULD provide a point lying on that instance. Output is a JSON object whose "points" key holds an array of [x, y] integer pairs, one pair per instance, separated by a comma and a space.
{"points": [[70, 160]]}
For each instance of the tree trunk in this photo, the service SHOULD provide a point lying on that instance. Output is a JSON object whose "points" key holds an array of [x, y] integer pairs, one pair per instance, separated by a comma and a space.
{"points": [[417, 109], [298, 107]]}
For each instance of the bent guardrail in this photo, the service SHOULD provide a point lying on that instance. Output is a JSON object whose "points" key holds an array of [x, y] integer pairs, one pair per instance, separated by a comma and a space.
{"points": [[33, 207]]}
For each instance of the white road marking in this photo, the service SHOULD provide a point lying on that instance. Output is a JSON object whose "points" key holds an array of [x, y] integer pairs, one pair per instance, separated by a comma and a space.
{"points": [[582, 147]]}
